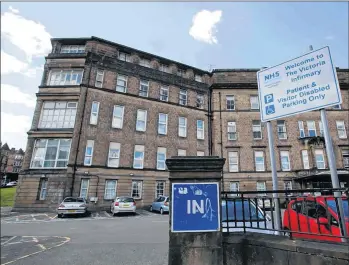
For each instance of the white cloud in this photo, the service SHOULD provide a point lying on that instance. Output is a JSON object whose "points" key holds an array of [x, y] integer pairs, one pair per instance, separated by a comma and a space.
{"points": [[329, 37], [12, 94], [29, 36], [10, 64], [13, 10], [14, 129], [204, 26]]}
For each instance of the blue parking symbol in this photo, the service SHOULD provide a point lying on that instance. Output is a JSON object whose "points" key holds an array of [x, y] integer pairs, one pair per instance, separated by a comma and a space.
{"points": [[269, 98], [270, 109]]}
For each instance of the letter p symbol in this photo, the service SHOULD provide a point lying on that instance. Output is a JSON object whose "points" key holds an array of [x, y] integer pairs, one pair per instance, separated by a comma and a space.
{"points": [[268, 98]]}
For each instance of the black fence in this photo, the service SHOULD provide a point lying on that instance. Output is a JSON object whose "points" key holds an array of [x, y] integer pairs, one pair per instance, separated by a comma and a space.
{"points": [[311, 214]]}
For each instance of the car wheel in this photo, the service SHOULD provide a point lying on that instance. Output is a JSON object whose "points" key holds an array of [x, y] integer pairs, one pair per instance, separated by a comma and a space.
{"points": [[151, 208], [287, 233], [60, 215], [161, 211]]}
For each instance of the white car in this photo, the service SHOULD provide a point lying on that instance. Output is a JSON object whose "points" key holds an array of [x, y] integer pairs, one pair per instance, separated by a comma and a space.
{"points": [[72, 206], [251, 217], [12, 184], [123, 205]]}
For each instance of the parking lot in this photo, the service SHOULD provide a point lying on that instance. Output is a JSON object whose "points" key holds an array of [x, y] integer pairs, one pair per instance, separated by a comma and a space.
{"points": [[33, 239]]}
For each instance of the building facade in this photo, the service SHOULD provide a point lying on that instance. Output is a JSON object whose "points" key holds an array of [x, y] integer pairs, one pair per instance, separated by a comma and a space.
{"points": [[11, 163], [107, 117]]}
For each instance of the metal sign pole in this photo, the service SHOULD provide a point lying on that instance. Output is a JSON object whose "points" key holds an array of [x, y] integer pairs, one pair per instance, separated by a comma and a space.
{"points": [[277, 216], [333, 169]]}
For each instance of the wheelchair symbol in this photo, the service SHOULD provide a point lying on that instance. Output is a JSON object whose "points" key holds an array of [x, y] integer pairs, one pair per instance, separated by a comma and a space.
{"points": [[270, 109]]}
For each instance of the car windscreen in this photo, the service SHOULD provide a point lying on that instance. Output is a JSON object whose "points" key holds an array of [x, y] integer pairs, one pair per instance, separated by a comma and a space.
{"points": [[125, 199], [168, 199], [333, 206], [240, 211], [73, 200]]}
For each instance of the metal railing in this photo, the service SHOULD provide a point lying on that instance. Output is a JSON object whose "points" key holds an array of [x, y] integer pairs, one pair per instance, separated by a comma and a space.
{"points": [[311, 214]]}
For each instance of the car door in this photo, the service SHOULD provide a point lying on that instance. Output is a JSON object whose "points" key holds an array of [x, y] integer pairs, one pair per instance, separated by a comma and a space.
{"points": [[156, 204]]}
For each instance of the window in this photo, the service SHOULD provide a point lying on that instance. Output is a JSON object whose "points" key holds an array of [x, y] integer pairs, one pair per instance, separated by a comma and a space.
{"points": [[65, 77], [305, 159], [164, 68], [257, 129], [200, 100], [121, 83], [59, 114], [320, 159], [301, 129], [182, 127], [162, 126], [232, 136], [42, 189], [51, 153], [285, 161], [345, 154], [124, 57], [182, 152], [311, 128], [164, 93], [181, 72], [73, 49], [99, 78], [182, 97], [342, 134], [321, 129], [94, 113], [261, 186], [138, 158], [89, 152], [159, 188], [84, 188], [200, 153], [254, 100], [235, 187], [198, 78], [200, 133], [144, 62], [281, 126], [114, 154], [110, 189], [288, 185], [144, 88], [118, 117], [161, 158], [141, 123], [137, 186], [259, 160], [230, 102], [233, 161]]}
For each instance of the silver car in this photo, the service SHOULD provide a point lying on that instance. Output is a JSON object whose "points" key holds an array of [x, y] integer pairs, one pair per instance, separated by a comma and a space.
{"points": [[239, 213], [72, 206], [123, 205]]}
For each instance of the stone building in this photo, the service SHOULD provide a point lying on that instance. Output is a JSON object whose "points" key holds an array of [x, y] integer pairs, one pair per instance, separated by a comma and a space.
{"points": [[107, 117], [11, 163]]}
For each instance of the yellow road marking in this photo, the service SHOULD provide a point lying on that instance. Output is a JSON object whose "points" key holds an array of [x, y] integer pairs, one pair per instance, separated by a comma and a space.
{"points": [[67, 239], [53, 217], [42, 246]]}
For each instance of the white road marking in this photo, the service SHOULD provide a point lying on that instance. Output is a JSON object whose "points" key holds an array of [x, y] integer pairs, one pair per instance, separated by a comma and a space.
{"points": [[107, 214], [33, 217], [8, 240]]}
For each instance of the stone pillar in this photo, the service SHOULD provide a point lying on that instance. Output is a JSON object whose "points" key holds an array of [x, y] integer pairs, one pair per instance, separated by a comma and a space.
{"points": [[195, 226]]}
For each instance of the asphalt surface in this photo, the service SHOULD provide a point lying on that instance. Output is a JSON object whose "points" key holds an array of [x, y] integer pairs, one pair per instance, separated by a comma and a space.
{"points": [[124, 240]]}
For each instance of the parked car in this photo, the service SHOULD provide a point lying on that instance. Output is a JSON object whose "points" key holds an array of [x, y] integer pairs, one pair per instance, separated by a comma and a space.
{"points": [[242, 213], [123, 205], [267, 203], [160, 204], [12, 184], [72, 206], [315, 215]]}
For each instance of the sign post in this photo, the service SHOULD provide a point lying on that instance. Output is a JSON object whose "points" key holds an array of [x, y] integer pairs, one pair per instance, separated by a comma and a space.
{"points": [[304, 84]]}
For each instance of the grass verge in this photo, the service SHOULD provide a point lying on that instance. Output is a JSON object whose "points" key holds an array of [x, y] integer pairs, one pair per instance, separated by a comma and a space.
{"points": [[7, 196]]}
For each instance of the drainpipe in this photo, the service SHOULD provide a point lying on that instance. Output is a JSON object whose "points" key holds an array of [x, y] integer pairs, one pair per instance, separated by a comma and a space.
{"points": [[209, 115], [220, 122], [80, 129]]}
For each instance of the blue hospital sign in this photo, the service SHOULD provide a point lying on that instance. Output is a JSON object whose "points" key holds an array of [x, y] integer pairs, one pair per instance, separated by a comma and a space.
{"points": [[195, 207]]}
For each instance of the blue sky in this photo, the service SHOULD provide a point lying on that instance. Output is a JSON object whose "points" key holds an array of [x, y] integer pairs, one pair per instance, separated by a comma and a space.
{"points": [[249, 35]]}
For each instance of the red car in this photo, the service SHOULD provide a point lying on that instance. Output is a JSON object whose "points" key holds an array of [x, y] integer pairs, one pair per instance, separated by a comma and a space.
{"points": [[315, 215]]}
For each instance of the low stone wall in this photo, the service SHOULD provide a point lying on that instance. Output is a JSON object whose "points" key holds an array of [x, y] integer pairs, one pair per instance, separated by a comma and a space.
{"points": [[260, 249]]}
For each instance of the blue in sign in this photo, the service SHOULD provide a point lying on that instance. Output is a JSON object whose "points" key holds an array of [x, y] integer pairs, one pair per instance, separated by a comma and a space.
{"points": [[195, 207], [269, 98], [270, 109]]}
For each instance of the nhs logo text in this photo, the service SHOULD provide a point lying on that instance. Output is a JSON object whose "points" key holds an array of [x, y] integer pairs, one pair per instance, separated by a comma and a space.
{"points": [[272, 77]]}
